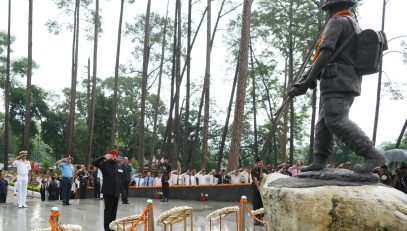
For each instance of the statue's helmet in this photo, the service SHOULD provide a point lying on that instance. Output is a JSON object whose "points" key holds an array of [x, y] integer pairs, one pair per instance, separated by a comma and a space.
{"points": [[333, 3]]}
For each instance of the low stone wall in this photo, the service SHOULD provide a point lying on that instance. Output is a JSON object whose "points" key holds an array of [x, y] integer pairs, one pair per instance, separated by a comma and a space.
{"points": [[224, 192]]}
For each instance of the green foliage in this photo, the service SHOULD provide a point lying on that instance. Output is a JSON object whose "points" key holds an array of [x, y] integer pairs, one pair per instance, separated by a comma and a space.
{"points": [[46, 164], [134, 164]]}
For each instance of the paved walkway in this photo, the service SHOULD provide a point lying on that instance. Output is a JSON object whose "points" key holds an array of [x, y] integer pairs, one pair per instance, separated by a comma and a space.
{"points": [[89, 213]]}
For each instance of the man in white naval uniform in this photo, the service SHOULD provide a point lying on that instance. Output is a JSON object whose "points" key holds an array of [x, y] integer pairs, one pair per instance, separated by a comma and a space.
{"points": [[23, 169]]}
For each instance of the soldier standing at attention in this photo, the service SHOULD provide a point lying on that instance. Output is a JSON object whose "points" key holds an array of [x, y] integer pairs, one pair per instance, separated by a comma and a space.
{"points": [[258, 173], [340, 83], [112, 183], [165, 177], [23, 170]]}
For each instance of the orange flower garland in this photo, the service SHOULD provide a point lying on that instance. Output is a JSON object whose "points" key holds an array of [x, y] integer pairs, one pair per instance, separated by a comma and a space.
{"points": [[52, 223], [318, 50], [142, 217]]}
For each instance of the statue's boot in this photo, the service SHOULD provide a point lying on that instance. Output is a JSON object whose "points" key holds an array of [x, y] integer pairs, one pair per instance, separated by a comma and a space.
{"points": [[373, 158], [318, 163]]}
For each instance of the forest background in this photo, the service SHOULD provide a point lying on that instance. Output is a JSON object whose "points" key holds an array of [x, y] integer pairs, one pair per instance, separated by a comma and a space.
{"points": [[281, 32]]}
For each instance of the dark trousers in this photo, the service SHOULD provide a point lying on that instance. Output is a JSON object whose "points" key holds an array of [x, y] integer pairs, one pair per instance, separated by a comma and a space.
{"points": [[110, 212], [42, 192], [83, 189], [166, 189], [125, 191], [257, 202], [66, 186], [97, 190], [3, 197]]}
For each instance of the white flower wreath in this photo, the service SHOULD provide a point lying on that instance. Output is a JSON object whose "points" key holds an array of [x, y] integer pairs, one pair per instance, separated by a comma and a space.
{"points": [[113, 224], [173, 215], [258, 211], [223, 212], [66, 227]]}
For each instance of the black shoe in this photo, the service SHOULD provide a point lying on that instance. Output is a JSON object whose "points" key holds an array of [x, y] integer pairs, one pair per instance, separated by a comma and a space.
{"points": [[125, 203], [68, 203]]}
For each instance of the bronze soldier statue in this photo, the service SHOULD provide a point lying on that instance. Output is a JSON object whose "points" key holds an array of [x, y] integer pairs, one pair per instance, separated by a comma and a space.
{"points": [[340, 82]]}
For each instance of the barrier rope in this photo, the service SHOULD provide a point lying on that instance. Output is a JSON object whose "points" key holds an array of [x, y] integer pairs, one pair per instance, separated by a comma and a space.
{"points": [[144, 217], [246, 206], [254, 216]]}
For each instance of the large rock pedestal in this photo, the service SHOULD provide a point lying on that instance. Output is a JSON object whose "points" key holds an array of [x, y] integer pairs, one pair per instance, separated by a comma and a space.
{"points": [[314, 207]]}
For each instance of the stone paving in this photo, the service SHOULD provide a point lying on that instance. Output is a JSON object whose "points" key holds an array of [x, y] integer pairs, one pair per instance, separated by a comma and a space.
{"points": [[89, 213]]}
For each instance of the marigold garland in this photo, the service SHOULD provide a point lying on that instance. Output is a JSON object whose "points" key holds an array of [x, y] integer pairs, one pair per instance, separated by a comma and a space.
{"points": [[52, 223], [318, 50], [67, 227], [143, 217]]}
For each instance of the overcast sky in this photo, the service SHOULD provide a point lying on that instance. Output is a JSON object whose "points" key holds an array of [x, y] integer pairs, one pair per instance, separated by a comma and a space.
{"points": [[53, 54]]}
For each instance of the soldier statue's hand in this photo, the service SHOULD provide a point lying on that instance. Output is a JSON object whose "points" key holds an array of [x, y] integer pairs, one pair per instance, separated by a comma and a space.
{"points": [[299, 89]]}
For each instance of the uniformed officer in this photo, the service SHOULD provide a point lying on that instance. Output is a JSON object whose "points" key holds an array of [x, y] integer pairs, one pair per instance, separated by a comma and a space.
{"points": [[165, 177], [340, 82], [258, 173], [23, 170], [112, 182]]}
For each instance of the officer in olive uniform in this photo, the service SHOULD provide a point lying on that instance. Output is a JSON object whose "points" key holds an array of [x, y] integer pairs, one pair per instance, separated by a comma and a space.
{"points": [[112, 180], [339, 84], [258, 173], [165, 177]]}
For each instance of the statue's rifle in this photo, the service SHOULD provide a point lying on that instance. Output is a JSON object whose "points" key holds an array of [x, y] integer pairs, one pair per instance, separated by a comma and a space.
{"points": [[290, 94]]}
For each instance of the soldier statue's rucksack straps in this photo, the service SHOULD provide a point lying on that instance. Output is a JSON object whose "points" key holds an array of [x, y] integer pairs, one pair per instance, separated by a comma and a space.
{"points": [[369, 52]]}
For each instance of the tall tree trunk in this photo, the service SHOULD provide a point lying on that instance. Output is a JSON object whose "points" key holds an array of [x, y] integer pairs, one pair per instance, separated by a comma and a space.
{"points": [[27, 114], [74, 74], [272, 140], [93, 103], [290, 82], [283, 135], [169, 121], [226, 126], [88, 97], [116, 78], [185, 146], [6, 92], [146, 55], [256, 145], [379, 83], [403, 130], [157, 100], [241, 88], [169, 128], [198, 128], [204, 157]]}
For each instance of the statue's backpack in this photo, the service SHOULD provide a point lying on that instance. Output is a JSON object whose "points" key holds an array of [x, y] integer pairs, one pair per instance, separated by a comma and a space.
{"points": [[371, 45]]}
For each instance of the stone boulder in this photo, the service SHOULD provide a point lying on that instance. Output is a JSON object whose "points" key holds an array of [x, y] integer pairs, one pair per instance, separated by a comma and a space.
{"points": [[315, 206]]}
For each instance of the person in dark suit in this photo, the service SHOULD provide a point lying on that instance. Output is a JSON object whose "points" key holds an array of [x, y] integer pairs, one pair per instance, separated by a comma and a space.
{"points": [[223, 178], [3, 188], [165, 177], [126, 180], [258, 173], [96, 183], [112, 183], [53, 190]]}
